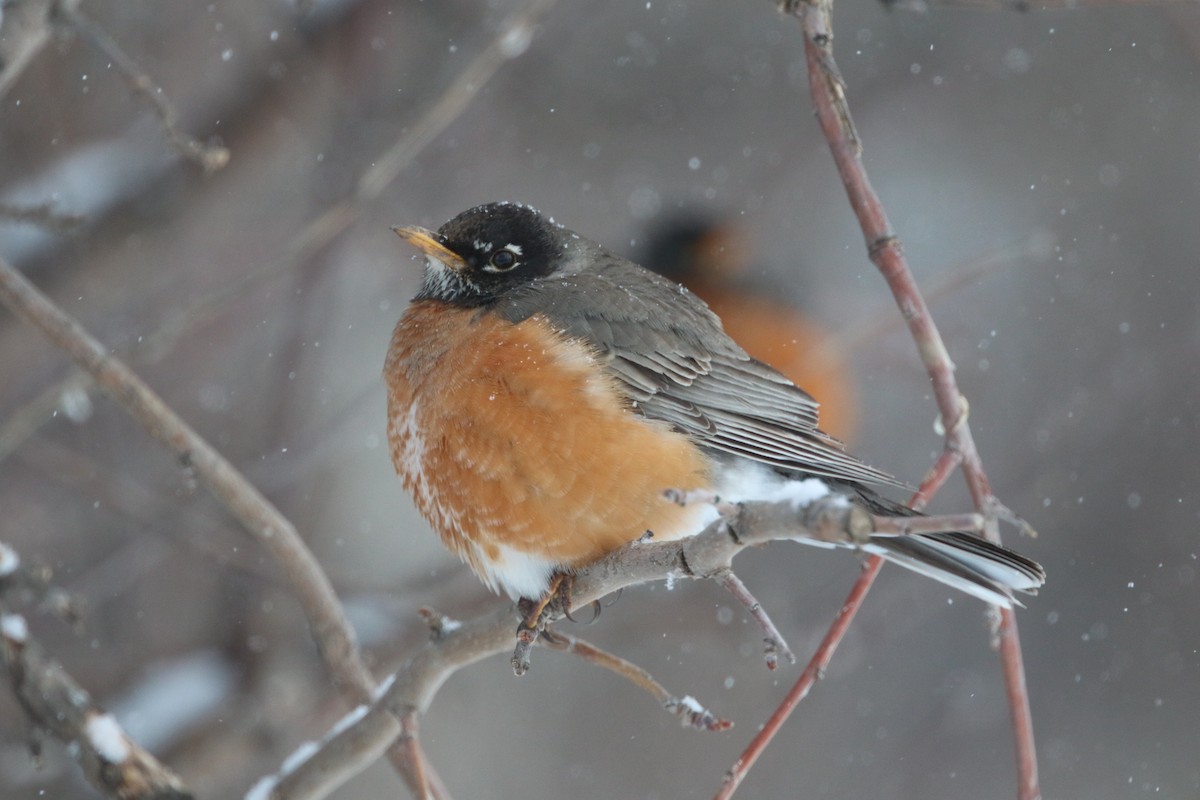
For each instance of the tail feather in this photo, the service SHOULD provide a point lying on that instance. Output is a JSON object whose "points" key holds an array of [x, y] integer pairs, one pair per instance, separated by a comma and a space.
{"points": [[963, 561]]}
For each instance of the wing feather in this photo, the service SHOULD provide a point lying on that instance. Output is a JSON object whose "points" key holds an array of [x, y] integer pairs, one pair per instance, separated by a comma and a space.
{"points": [[676, 364]]}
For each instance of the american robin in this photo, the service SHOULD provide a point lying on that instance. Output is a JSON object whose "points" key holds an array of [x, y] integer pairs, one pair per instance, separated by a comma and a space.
{"points": [[545, 393], [712, 257]]}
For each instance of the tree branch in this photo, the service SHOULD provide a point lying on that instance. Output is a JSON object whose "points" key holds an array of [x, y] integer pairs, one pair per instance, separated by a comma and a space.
{"points": [[814, 671], [326, 618], [27, 30], [828, 92], [329, 626], [689, 711], [57, 704], [319, 233], [209, 157], [43, 215], [775, 644], [409, 693]]}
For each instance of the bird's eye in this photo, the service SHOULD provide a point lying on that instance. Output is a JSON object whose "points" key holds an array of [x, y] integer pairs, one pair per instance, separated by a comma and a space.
{"points": [[502, 261]]}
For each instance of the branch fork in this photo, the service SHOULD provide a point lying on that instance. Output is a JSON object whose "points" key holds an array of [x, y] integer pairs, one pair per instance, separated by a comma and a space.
{"points": [[827, 90]]}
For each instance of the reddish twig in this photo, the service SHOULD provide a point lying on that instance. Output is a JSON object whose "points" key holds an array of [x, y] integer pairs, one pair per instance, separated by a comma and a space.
{"points": [[841, 623], [1013, 663], [828, 93], [812, 673], [938, 474], [455, 644]]}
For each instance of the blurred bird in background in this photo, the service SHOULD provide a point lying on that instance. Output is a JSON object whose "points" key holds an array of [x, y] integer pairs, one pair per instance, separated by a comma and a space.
{"points": [[713, 257]]}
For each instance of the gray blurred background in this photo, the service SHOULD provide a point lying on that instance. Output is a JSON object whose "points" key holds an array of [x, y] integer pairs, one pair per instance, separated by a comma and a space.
{"points": [[1042, 170]]}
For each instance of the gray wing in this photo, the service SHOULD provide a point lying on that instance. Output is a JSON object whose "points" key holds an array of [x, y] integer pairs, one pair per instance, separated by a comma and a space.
{"points": [[677, 364]]}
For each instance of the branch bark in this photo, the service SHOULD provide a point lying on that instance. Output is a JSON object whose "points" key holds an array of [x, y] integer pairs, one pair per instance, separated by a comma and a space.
{"points": [[319, 233], [210, 157], [55, 703], [256, 513], [409, 693], [27, 30], [330, 628], [828, 92]]}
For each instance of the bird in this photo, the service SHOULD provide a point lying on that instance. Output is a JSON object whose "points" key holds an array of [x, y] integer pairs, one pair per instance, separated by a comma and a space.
{"points": [[712, 255], [547, 397]]}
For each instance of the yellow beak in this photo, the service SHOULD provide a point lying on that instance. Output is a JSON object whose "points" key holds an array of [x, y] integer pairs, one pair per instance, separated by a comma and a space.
{"points": [[428, 243]]}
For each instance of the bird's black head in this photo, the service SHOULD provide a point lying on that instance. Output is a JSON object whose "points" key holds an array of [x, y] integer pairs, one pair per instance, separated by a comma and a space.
{"points": [[486, 251]]}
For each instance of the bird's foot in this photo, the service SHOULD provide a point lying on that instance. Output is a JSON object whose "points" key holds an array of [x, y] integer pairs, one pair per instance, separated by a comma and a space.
{"points": [[536, 613]]}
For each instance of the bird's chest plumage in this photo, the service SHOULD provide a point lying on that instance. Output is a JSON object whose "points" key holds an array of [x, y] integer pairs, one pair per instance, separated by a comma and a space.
{"points": [[520, 451]]}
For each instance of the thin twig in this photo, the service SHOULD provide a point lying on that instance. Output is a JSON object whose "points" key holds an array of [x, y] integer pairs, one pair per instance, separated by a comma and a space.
{"points": [[829, 99], [516, 32], [938, 474], [210, 157], [876, 324], [800, 689], [255, 512], [26, 420], [43, 215], [416, 683], [27, 31], [1028, 787], [690, 712], [774, 643], [942, 523], [318, 234]]}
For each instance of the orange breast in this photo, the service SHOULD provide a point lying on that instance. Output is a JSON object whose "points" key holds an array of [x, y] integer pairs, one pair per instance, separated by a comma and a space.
{"points": [[516, 446]]}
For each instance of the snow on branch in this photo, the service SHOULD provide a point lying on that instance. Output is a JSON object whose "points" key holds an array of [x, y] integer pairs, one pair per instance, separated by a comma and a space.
{"points": [[56, 704], [408, 694]]}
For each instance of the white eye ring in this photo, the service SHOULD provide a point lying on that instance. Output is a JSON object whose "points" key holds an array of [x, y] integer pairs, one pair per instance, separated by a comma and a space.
{"points": [[501, 261]]}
